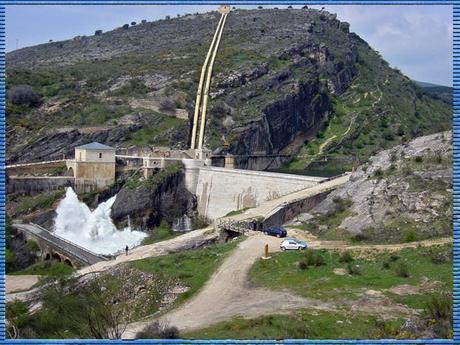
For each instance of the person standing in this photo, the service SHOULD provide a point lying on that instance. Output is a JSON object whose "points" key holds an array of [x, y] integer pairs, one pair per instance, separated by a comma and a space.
{"points": [[126, 249]]}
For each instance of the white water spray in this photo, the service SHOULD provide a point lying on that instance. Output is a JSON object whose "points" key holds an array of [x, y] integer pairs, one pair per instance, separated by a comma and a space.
{"points": [[94, 230]]}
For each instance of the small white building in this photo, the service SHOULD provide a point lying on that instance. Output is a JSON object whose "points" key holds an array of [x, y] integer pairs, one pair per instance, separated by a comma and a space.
{"points": [[95, 152], [93, 166]]}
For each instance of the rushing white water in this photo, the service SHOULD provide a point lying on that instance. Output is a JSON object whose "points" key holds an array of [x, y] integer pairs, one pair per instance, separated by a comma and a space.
{"points": [[93, 230]]}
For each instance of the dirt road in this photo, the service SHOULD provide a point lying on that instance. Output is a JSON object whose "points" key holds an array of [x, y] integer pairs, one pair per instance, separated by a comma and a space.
{"points": [[19, 283], [229, 294]]}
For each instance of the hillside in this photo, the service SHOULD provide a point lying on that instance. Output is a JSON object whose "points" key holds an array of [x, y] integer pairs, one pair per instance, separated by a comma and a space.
{"points": [[401, 195], [291, 81]]}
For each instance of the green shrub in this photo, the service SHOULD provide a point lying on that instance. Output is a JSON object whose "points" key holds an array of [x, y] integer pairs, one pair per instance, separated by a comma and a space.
{"points": [[386, 265], [314, 258], [303, 265], [199, 222], [418, 159], [439, 307], [439, 312], [378, 173], [358, 238], [394, 257], [402, 270], [33, 246], [354, 270], [342, 204], [346, 257], [410, 236]]}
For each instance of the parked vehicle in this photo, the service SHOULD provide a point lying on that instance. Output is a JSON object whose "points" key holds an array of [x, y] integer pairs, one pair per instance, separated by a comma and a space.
{"points": [[292, 243], [276, 231]]}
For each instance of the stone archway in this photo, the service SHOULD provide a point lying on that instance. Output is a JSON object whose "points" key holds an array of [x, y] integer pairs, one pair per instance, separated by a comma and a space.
{"points": [[70, 172], [57, 257], [68, 262]]}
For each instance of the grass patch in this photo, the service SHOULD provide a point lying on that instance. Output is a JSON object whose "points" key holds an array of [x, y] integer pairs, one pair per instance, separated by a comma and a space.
{"points": [[300, 325], [237, 212], [321, 282], [47, 268], [160, 233], [39, 202]]}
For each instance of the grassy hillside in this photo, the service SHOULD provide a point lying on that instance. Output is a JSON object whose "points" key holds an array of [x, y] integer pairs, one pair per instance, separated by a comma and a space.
{"points": [[285, 67]]}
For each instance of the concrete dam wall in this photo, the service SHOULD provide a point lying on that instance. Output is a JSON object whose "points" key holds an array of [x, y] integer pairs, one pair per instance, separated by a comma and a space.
{"points": [[220, 191]]}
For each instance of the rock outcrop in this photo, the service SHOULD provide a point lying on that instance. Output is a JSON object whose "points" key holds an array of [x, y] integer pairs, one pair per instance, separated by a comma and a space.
{"points": [[401, 194], [149, 204]]}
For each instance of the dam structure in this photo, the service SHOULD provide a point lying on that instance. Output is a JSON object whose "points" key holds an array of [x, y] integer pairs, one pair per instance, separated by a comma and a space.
{"points": [[234, 192]]}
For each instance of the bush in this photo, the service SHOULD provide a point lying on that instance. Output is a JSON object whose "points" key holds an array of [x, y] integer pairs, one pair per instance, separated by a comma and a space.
{"points": [[125, 26], [346, 257], [303, 265], [133, 23], [378, 173], [23, 95], [199, 222], [410, 236], [33, 246], [402, 270], [314, 258], [418, 159], [439, 310], [143, 21], [359, 238], [354, 270], [167, 104], [342, 204], [386, 265], [394, 257], [98, 32], [157, 330]]}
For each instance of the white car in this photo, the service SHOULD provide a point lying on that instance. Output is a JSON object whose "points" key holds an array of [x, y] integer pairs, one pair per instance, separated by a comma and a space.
{"points": [[292, 243]]}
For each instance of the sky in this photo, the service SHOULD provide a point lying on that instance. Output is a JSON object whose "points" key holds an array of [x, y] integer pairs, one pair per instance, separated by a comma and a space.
{"points": [[417, 39]]}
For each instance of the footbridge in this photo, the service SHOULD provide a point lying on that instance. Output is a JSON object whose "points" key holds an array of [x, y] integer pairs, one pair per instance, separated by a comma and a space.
{"points": [[279, 211], [54, 247]]}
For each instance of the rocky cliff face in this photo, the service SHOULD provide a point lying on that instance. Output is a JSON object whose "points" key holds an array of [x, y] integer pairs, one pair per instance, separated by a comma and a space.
{"points": [[148, 204], [281, 79], [401, 194]]}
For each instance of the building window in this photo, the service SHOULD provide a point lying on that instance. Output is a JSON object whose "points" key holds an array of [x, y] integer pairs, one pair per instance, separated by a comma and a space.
{"points": [[100, 155]]}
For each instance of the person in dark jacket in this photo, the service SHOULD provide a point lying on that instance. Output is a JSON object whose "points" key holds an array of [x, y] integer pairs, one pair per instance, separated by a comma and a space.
{"points": [[126, 249]]}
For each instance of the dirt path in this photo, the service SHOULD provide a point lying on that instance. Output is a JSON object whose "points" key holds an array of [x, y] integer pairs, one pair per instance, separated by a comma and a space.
{"points": [[229, 294], [188, 240], [329, 140], [20, 282]]}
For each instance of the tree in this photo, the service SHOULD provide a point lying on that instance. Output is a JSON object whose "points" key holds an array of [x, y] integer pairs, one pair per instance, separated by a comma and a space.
{"points": [[23, 95], [125, 26], [133, 23], [168, 17], [143, 21], [289, 6], [98, 32], [305, 7], [259, 7]]}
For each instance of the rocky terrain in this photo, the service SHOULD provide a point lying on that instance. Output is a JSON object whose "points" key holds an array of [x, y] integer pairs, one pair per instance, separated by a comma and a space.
{"points": [[148, 202], [286, 81], [401, 195]]}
